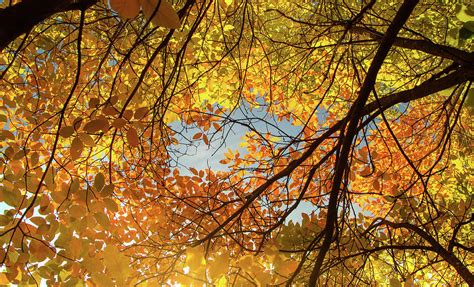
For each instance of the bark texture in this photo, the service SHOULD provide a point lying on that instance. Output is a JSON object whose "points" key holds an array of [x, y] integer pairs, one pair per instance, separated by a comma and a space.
{"points": [[20, 18]]}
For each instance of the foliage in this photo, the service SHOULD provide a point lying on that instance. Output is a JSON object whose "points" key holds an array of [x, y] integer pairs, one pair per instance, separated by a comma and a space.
{"points": [[359, 111]]}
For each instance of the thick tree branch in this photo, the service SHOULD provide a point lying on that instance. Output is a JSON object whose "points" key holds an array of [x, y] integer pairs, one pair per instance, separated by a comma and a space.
{"points": [[462, 270], [425, 89], [22, 17], [356, 113], [459, 56]]}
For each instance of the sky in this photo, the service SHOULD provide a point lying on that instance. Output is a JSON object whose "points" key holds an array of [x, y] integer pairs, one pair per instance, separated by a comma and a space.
{"points": [[202, 156]]}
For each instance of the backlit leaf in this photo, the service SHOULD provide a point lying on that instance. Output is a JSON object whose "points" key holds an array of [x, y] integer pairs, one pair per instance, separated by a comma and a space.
{"points": [[132, 137], [127, 9], [97, 125], [165, 15], [76, 148], [99, 181]]}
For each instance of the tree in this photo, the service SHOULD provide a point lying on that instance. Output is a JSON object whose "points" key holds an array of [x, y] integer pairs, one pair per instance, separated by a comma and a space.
{"points": [[357, 110]]}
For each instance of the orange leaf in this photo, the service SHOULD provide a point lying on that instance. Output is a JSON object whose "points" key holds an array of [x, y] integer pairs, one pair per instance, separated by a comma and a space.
{"points": [[66, 132], [119, 123], [166, 16], [366, 171], [132, 137], [76, 148], [197, 136], [127, 9], [376, 184], [99, 181], [87, 140], [140, 113], [97, 125]]}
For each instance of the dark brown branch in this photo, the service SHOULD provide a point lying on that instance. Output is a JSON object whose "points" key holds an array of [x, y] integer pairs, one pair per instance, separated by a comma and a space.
{"points": [[356, 113], [462, 270], [20, 18], [426, 88], [426, 46]]}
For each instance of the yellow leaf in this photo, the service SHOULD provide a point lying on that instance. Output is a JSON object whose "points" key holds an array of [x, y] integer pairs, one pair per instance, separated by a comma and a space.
{"points": [[93, 264], [287, 267], [102, 280], [4, 280], [222, 282], [219, 266], [165, 15], [246, 262], [195, 257], [394, 282], [127, 9], [117, 264], [75, 247], [228, 28]]}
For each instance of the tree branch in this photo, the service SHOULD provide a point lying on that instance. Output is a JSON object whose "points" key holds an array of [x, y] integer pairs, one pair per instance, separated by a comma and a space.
{"points": [[20, 18], [356, 113], [462, 270], [459, 56], [426, 88]]}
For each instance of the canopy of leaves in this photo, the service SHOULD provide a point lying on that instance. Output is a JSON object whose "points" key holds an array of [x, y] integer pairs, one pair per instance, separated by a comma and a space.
{"points": [[236, 143]]}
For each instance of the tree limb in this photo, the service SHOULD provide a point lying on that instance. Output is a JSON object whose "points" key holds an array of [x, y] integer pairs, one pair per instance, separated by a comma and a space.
{"points": [[462, 270], [20, 18], [459, 56], [355, 114]]}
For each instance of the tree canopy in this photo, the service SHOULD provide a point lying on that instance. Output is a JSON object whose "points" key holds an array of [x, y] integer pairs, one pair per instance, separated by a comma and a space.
{"points": [[228, 142]]}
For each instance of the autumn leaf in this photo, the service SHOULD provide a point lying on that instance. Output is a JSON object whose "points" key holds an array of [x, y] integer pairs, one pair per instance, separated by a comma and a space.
{"points": [[132, 137], [314, 136], [165, 15], [119, 123], [99, 181], [219, 266], [205, 139], [66, 131], [108, 189], [197, 136], [195, 257], [76, 148], [127, 9], [87, 140], [140, 113], [97, 125], [116, 263]]}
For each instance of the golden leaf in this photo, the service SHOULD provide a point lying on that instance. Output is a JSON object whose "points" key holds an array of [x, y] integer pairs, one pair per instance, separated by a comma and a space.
{"points": [[127, 9], [165, 15]]}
